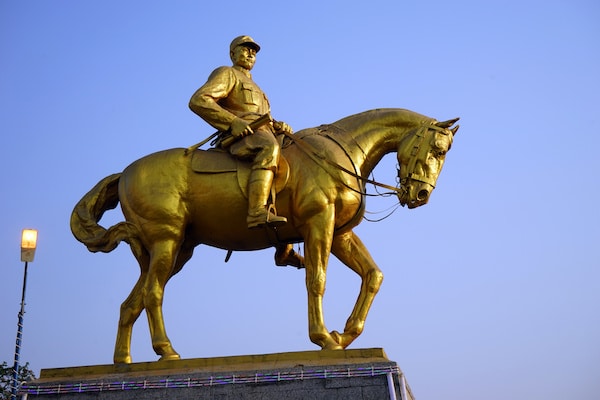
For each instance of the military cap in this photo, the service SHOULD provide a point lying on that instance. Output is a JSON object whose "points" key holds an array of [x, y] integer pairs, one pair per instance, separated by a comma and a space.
{"points": [[244, 40]]}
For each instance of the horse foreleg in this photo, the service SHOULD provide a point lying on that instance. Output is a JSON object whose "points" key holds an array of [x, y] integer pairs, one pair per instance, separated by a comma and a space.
{"points": [[317, 245], [162, 263], [350, 250]]}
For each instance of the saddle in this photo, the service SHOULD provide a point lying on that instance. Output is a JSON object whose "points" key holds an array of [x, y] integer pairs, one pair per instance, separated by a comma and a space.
{"points": [[219, 161]]}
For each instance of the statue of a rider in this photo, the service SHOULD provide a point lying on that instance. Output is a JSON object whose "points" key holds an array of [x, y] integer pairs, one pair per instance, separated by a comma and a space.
{"points": [[230, 101]]}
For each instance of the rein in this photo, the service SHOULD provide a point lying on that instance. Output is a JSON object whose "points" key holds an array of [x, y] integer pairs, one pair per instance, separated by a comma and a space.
{"points": [[416, 151], [309, 150]]}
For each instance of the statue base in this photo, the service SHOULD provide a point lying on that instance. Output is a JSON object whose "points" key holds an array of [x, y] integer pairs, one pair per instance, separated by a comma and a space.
{"points": [[335, 374]]}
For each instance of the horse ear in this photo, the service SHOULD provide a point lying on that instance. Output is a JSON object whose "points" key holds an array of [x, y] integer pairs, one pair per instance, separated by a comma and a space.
{"points": [[453, 130], [447, 124]]}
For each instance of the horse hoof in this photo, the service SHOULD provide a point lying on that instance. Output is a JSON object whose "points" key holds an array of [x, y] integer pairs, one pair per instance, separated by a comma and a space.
{"points": [[343, 339], [335, 335], [168, 357], [334, 343]]}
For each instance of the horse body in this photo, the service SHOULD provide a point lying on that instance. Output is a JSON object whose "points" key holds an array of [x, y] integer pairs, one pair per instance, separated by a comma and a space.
{"points": [[169, 209]]}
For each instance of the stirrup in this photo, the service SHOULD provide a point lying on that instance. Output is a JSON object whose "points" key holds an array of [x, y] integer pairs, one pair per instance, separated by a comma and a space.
{"points": [[265, 218]]}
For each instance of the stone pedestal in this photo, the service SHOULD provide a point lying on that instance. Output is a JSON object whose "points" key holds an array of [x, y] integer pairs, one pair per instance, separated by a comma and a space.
{"points": [[337, 374]]}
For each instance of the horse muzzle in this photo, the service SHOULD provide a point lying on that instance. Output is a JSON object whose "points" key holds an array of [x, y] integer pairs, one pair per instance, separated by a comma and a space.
{"points": [[415, 195]]}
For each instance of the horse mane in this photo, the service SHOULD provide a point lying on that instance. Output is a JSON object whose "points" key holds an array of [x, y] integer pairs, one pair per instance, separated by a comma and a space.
{"points": [[348, 123], [383, 114]]}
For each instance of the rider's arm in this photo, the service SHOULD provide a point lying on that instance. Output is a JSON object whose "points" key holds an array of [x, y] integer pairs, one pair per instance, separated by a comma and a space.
{"points": [[205, 101]]}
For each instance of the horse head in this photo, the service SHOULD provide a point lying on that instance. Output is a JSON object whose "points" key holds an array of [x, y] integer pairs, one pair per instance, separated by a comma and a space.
{"points": [[421, 161]]}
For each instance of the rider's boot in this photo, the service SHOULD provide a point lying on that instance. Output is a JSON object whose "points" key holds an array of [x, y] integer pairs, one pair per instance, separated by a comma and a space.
{"points": [[286, 255], [259, 188]]}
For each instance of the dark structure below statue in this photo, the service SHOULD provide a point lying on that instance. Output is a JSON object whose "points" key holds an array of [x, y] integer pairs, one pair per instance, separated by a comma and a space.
{"points": [[327, 374]]}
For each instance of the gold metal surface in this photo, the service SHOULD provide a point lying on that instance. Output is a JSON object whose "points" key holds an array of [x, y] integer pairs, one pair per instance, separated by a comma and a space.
{"points": [[169, 209]]}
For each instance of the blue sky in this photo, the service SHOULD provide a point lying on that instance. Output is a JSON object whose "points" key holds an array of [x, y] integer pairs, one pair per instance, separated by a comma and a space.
{"points": [[492, 289]]}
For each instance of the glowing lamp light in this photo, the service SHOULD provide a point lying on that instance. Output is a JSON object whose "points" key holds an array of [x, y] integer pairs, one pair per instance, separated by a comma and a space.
{"points": [[28, 244]]}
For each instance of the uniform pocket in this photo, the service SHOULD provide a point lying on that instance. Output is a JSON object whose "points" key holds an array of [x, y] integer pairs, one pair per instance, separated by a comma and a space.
{"points": [[248, 94]]}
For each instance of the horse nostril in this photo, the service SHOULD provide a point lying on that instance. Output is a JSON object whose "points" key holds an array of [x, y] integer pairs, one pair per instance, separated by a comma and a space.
{"points": [[422, 195]]}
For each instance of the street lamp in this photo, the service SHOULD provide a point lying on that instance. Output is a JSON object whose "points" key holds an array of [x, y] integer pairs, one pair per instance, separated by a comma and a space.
{"points": [[28, 245]]}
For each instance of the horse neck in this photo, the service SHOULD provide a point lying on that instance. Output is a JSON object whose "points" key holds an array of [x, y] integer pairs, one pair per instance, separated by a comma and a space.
{"points": [[369, 136]]}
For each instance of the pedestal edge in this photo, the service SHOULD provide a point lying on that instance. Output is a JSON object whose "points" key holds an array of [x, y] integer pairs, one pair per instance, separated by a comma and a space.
{"points": [[217, 364]]}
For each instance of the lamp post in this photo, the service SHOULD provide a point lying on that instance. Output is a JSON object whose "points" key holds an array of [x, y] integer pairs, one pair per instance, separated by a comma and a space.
{"points": [[28, 245]]}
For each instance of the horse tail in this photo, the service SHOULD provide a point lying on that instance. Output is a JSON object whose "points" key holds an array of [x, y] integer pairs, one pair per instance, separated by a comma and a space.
{"points": [[89, 210]]}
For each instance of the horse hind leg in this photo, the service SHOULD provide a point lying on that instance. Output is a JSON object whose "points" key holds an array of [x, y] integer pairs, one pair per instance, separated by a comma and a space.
{"points": [[130, 311], [133, 306], [162, 267]]}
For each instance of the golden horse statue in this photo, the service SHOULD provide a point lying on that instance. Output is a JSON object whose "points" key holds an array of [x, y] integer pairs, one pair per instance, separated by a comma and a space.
{"points": [[170, 209]]}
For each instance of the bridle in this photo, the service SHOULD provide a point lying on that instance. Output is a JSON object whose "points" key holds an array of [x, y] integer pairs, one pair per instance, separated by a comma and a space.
{"points": [[419, 152]]}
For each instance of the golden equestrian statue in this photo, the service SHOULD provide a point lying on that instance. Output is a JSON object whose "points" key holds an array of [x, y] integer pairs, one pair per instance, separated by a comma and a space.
{"points": [[176, 199]]}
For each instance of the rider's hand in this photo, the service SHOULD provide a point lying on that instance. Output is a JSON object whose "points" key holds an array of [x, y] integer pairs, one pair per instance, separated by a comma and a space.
{"points": [[240, 128], [282, 127]]}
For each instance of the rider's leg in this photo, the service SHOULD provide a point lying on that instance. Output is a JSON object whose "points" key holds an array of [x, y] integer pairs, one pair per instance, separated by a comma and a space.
{"points": [[263, 149], [259, 189], [286, 255]]}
